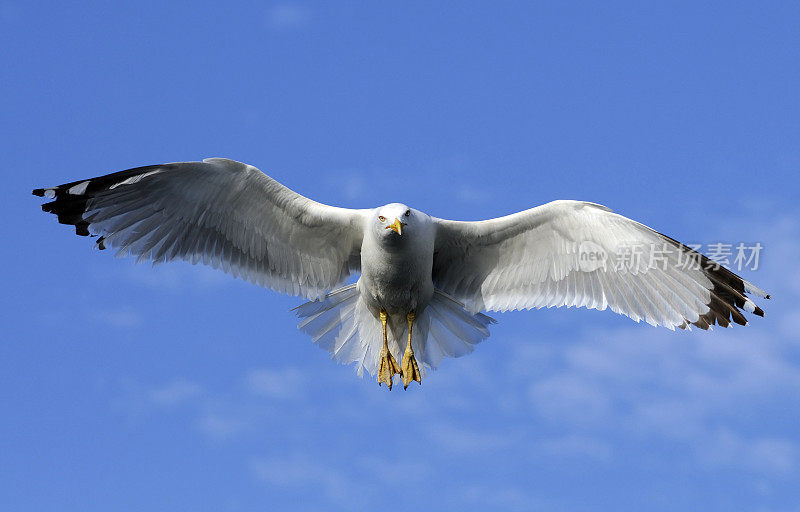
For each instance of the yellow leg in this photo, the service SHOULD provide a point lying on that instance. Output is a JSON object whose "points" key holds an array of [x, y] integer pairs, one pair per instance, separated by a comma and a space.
{"points": [[410, 369], [388, 365]]}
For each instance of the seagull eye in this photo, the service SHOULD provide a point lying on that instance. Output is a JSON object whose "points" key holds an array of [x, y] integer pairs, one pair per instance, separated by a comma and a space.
{"points": [[381, 218], [408, 213]]}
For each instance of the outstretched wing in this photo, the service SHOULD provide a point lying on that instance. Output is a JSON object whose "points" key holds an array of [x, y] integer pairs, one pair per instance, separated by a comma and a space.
{"points": [[219, 212], [572, 253]]}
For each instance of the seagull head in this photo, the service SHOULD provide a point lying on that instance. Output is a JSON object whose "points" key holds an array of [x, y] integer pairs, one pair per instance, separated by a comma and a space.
{"points": [[392, 219]]}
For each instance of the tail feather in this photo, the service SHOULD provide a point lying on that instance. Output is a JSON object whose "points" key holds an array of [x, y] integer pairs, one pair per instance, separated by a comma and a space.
{"points": [[448, 347], [342, 324], [329, 322], [348, 346], [459, 324]]}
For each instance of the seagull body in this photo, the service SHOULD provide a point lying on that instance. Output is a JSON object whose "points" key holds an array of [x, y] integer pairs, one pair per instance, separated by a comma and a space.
{"points": [[396, 266], [423, 280]]}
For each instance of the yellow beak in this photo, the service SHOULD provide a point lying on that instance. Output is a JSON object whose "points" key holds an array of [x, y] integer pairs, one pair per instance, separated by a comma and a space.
{"points": [[397, 226]]}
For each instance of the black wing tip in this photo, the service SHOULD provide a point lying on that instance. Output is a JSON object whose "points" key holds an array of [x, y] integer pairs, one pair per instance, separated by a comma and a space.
{"points": [[69, 204], [81, 229], [728, 293], [724, 307]]}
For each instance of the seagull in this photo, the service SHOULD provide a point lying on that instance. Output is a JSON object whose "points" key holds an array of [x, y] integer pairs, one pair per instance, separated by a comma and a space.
{"points": [[423, 281]]}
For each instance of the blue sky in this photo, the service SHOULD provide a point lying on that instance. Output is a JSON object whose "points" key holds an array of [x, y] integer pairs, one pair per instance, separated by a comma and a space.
{"points": [[125, 387]]}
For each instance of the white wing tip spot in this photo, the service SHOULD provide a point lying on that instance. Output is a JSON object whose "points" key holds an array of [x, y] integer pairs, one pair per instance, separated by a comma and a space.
{"points": [[134, 179], [79, 189]]}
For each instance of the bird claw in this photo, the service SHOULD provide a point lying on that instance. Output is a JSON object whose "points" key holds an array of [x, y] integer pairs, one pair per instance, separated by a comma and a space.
{"points": [[410, 369], [388, 368]]}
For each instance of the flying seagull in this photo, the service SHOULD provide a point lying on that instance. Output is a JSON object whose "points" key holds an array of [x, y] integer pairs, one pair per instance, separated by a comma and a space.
{"points": [[423, 280]]}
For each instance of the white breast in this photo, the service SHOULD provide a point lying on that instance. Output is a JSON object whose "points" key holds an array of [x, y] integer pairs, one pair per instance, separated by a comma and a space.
{"points": [[396, 277]]}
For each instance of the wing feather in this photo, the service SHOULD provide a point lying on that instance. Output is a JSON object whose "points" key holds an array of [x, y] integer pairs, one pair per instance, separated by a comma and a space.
{"points": [[533, 259], [223, 213]]}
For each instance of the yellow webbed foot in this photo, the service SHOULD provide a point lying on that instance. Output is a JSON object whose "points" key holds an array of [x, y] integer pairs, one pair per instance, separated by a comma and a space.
{"points": [[410, 368], [387, 368], [388, 364]]}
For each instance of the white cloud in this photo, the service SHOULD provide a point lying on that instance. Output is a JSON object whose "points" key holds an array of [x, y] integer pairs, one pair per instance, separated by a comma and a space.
{"points": [[790, 326], [655, 385], [576, 446], [463, 440], [141, 401], [353, 187], [120, 318], [220, 427], [350, 185], [175, 393], [414, 470], [281, 384], [297, 472], [175, 276], [662, 385], [472, 195], [772, 455], [286, 16], [570, 397], [498, 497]]}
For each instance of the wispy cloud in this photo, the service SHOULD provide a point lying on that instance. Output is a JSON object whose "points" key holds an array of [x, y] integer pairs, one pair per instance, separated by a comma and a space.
{"points": [[137, 400], [578, 446], [221, 427], [771, 455], [354, 187], [465, 440], [656, 385], [286, 16], [472, 195], [174, 276], [175, 393], [497, 497], [281, 383], [121, 318], [297, 472], [570, 398]]}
